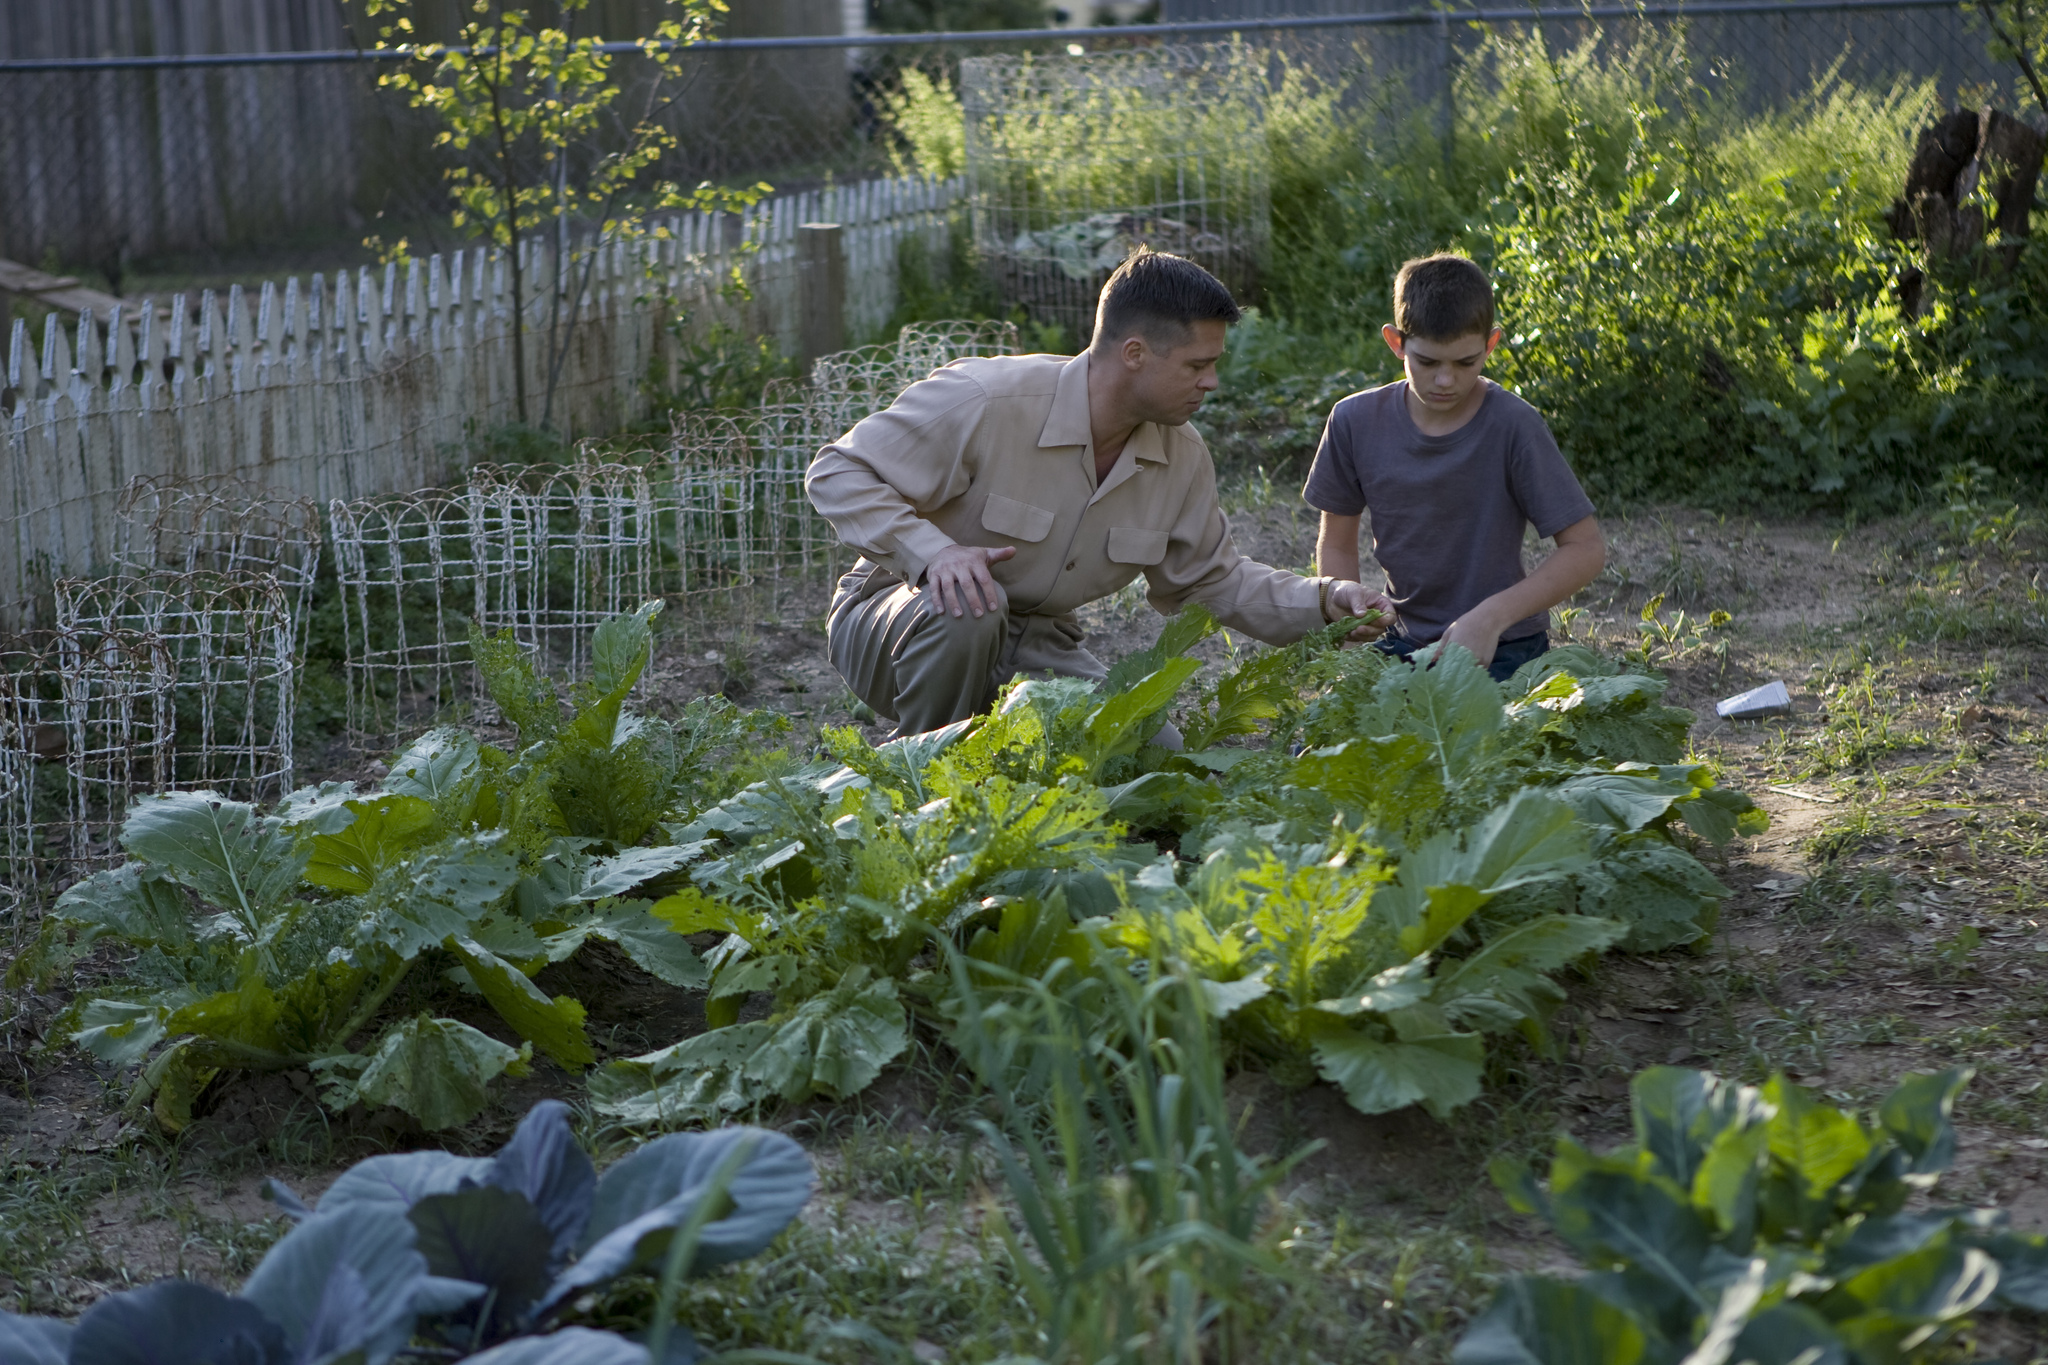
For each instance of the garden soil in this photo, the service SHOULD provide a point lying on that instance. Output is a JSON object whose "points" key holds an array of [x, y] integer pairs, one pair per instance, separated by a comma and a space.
{"points": [[1890, 920]]}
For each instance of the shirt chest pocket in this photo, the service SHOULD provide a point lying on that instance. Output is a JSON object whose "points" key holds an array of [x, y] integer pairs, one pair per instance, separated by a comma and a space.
{"points": [[1008, 517], [1136, 545]]}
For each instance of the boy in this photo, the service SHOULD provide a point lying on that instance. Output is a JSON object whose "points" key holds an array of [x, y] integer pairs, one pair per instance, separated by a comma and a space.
{"points": [[1452, 466]]}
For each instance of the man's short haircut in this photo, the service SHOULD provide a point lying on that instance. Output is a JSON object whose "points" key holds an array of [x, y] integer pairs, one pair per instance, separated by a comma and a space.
{"points": [[1442, 298], [1160, 297]]}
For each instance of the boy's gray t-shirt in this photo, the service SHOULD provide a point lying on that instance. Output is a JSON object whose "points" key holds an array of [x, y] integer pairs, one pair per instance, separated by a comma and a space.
{"points": [[1447, 511]]}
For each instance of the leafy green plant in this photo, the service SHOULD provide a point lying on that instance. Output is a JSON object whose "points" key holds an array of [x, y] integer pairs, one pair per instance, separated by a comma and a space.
{"points": [[1662, 641], [1138, 1222], [272, 941], [1323, 960], [431, 1256], [1758, 1225]]}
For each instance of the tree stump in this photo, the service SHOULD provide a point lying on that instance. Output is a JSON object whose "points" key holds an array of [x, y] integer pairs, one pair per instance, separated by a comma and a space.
{"points": [[1959, 154]]}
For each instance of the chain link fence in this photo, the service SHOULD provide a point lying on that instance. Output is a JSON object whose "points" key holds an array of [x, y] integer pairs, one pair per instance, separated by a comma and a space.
{"points": [[111, 162]]}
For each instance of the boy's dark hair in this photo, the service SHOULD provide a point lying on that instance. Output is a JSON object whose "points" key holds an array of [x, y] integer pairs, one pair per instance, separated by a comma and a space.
{"points": [[1159, 297], [1442, 298]]}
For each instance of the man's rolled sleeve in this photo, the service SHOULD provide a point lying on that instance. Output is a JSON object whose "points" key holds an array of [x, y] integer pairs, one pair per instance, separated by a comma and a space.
{"points": [[1203, 564], [876, 483]]}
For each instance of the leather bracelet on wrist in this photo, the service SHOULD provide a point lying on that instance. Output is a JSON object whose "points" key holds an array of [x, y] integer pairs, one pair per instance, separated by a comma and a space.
{"points": [[1324, 599]]}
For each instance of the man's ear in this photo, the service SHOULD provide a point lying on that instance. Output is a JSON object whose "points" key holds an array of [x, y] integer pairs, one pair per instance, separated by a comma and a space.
{"points": [[1133, 353], [1395, 341]]}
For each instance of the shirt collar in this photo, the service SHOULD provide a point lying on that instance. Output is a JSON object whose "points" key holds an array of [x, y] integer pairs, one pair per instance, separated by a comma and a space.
{"points": [[1067, 424]]}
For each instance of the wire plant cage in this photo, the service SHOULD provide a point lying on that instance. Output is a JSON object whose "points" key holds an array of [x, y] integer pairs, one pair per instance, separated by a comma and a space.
{"points": [[1073, 162], [221, 658]]}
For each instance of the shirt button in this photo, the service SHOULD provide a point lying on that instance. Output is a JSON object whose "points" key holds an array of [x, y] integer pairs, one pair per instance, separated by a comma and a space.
{"points": [[1071, 563]]}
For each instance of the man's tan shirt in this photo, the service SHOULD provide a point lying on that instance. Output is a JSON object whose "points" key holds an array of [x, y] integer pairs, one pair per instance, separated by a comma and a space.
{"points": [[998, 451]]}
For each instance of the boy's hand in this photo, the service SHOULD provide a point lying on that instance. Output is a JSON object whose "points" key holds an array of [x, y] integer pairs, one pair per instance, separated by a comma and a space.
{"points": [[1353, 599], [1474, 632]]}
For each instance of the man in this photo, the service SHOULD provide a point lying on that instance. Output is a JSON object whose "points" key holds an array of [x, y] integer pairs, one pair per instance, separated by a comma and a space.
{"points": [[994, 499]]}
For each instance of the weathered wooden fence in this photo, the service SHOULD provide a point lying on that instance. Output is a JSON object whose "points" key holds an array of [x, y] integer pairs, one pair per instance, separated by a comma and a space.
{"points": [[367, 383]]}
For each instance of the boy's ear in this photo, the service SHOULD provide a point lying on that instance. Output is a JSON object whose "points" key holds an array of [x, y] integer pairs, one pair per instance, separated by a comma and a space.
{"points": [[1493, 341], [1391, 334]]}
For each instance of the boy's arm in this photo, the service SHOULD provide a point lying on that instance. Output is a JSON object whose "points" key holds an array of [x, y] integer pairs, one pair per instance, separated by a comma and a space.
{"points": [[1580, 555], [1337, 547]]}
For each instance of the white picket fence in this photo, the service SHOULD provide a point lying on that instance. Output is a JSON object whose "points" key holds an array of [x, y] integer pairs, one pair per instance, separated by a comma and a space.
{"points": [[367, 383]]}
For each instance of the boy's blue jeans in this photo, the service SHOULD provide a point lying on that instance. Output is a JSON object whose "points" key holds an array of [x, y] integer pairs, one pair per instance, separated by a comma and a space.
{"points": [[1508, 656]]}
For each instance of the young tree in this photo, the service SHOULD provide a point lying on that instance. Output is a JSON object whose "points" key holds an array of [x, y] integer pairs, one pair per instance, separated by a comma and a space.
{"points": [[546, 130], [2019, 34]]}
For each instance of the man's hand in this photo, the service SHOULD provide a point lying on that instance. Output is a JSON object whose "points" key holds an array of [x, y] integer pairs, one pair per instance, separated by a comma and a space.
{"points": [[959, 574], [1476, 632], [1352, 599]]}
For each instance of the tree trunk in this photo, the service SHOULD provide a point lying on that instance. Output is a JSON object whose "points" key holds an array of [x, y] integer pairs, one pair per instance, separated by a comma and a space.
{"points": [[1958, 154]]}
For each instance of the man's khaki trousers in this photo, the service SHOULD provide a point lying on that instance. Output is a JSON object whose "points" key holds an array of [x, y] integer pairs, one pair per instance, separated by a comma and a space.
{"points": [[925, 668]]}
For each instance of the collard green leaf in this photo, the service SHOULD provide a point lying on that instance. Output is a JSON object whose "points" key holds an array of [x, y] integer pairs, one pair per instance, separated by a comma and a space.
{"points": [[1820, 1145], [118, 1031], [543, 1164], [342, 1281], [1916, 1115], [1512, 969], [321, 809], [134, 903], [1439, 1072], [437, 767], [1114, 727], [1253, 692], [622, 873], [1678, 1113], [835, 1044], [1452, 707], [1662, 893], [442, 893], [650, 943], [245, 863], [34, 1341], [554, 1026], [1528, 838], [1790, 1334], [2022, 1269], [697, 1080], [1725, 1183], [1626, 801], [1396, 988], [1540, 1321], [437, 1070], [1180, 633], [1936, 1284], [177, 1322], [1609, 1214], [382, 831], [620, 648]]}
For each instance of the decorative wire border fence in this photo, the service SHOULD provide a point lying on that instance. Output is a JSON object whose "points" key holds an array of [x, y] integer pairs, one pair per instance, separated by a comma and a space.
{"points": [[181, 670]]}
